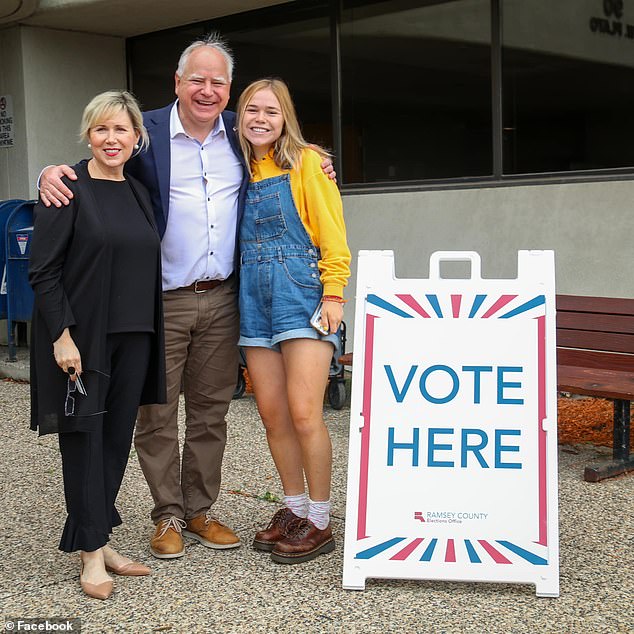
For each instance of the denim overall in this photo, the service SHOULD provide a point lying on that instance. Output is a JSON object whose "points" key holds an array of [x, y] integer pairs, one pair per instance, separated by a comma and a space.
{"points": [[279, 278]]}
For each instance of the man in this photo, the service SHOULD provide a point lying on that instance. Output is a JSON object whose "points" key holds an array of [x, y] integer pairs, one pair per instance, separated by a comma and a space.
{"points": [[197, 179]]}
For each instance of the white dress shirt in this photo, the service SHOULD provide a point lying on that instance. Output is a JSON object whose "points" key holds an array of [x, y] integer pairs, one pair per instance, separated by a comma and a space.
{"points": [[200, 238]]}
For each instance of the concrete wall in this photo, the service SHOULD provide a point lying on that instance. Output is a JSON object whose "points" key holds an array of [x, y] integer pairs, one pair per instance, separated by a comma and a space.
{"points": [[13, 160], [51, 76], [63, 72], [590, 226]]}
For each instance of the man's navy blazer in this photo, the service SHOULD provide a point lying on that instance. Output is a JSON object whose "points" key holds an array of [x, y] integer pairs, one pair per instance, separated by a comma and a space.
{"points": [[152, 167]]}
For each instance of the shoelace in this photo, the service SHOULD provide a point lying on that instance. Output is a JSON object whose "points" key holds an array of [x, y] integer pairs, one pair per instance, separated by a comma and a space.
{"points": [[280, 519], [174, 523], [210, 518], [298, 527]]}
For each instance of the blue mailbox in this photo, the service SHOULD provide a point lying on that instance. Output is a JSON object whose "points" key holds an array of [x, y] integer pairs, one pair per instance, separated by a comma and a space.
{"points": [[6, 207], [18, 232]]}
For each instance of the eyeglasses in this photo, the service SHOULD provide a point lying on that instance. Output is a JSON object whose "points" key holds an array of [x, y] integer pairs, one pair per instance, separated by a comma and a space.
{"points": [[71, 387]]}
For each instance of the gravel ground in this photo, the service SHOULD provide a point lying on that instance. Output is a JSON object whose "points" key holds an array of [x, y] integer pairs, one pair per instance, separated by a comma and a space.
{"points": [[243, 591]]}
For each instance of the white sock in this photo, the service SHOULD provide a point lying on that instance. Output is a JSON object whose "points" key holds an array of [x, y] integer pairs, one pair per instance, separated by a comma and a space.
{"points": [[297, 503], [319, 513]]}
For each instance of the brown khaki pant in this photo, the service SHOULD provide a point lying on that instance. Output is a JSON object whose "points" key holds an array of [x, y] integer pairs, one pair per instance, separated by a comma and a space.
{"points": [[201, 336]]}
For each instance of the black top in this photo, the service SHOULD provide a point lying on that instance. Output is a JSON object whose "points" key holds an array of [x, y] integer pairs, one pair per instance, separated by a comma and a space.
{"points": [[135, 248]]}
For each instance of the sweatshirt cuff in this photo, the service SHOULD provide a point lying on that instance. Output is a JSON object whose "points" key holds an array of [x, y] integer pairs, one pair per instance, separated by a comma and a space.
{"points": [[335, 289]]}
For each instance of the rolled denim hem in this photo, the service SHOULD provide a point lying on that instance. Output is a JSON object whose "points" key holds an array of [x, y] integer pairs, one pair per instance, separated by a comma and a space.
{"points": [[257, 342], [304, 333]]}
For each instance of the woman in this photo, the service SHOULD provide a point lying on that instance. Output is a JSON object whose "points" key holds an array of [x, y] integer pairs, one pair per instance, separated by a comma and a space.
{"points": [[294, 261], [97, 334]]}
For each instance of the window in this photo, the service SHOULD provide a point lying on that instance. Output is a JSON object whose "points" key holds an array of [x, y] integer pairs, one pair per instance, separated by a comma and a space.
{"points": [[421, 90], [416, 90], [568, 85]]}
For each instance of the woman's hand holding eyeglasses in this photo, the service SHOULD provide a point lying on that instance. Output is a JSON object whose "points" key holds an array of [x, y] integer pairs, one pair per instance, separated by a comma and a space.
{"points": [[66, 354]]}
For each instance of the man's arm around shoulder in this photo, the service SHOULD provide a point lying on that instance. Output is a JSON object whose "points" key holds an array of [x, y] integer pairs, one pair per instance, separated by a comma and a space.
{"points": [[53, 191]]}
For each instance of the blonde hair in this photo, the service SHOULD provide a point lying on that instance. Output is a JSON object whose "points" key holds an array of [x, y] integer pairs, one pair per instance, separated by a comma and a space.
{"points": [[287, 150], [113, 101]]}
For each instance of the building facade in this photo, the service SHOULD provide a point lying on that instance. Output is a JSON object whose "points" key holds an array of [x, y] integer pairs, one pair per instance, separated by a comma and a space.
{"points": [[480, 125]]}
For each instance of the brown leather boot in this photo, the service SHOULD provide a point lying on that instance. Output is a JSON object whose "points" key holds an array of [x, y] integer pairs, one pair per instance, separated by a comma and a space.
{"points": [[304, 542], [276, 530], [167, 542], [210, 532]]}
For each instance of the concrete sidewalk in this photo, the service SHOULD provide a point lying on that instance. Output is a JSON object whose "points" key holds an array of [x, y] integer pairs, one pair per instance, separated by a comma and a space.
{"points": [[242, 590], [17, 370]]}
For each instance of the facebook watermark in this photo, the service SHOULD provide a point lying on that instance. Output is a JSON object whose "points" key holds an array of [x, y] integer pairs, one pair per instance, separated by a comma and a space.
{"points": [[56, 624]]}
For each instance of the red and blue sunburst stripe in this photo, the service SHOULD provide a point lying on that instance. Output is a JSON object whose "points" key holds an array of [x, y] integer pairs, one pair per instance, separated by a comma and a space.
{"points": [[463, 551], [432, 306]]}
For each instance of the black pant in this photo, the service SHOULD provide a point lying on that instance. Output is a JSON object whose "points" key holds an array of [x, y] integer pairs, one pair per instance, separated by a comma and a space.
{"points": [[93, 463]]}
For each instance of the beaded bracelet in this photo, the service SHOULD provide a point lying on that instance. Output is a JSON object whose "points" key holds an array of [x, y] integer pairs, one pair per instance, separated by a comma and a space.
{"points": [[333, 298]]}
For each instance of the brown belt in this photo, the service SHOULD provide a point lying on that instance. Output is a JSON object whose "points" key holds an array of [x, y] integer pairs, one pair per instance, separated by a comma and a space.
{"points": [[202, 285]]}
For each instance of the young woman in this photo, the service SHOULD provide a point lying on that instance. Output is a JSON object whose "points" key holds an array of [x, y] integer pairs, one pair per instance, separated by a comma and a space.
{"points": [[294, 259], [97, 331]]}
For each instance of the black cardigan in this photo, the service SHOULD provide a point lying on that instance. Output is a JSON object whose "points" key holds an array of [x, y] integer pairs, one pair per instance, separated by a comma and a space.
{"points": [[69, 271]]}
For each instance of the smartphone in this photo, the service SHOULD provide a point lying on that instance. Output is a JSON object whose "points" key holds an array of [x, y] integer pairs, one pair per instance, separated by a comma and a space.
{"points": [[315, 322]]}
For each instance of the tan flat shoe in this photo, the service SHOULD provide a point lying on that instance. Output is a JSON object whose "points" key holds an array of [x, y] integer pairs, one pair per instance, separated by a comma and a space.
{"points": [[133, 569], [95, 590]]}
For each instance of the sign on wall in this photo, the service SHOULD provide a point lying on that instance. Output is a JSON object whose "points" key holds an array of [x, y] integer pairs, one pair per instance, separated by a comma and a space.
{"points": [[7, 133], [452, 470]]}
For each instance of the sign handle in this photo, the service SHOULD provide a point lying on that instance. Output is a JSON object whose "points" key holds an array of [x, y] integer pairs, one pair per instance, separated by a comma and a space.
{"points": [[454, 256]]}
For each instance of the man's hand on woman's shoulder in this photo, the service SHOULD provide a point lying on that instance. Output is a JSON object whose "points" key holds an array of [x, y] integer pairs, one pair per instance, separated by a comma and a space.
{"points": [[52, 188], [329, 169]]}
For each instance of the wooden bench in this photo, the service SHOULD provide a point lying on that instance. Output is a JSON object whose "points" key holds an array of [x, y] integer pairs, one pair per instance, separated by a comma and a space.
{"points": [[595, 357]]}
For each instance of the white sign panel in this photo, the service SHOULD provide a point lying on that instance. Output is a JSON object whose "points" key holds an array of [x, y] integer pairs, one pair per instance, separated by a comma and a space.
{"points": [[453, 440], [7, 133]]}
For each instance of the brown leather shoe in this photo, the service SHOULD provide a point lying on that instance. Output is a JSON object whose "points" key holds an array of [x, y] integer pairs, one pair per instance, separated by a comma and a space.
{"points": [[276, 530], [304, 542], [210, 532], [167, 542]]}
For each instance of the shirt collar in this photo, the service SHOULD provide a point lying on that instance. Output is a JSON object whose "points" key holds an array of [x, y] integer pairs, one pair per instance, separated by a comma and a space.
{"points": [[176, 126]]}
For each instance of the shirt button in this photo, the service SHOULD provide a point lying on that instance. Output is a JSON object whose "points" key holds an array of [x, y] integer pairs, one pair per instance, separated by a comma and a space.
{"points": [[209, 198], [211, 253], [211, 226], [314, 275], [312, 265]]}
